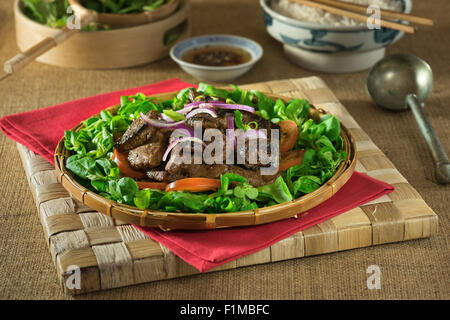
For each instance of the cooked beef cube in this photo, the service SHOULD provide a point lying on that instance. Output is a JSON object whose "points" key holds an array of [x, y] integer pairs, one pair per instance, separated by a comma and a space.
{"points": [[249, 150], [148, 145], [176, 161], [194, 94], [163, 176], [262, 123], [248, 155], [175, 166], [178, 157], [138, 134], [206, 120], [209, 121], [225, 154], [253, 177], [146, 156], [204, 170], [188, 171], [221, 123]]}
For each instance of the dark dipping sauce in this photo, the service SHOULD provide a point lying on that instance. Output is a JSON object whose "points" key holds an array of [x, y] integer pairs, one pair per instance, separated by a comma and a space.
{"points": [[217, 56]]}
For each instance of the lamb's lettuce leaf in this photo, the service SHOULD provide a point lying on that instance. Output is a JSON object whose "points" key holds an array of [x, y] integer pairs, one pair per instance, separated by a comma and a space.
{"points": [[277, 191]]}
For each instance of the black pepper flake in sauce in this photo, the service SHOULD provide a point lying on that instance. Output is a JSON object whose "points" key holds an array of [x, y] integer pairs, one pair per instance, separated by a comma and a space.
{"points": [[217, 56]]}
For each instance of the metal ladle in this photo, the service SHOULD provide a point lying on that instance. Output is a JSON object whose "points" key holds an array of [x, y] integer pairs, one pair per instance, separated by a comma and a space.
{"points": [[400, 81]]}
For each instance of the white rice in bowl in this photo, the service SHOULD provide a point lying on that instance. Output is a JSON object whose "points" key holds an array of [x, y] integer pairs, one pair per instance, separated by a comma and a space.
{"points": [[319, 16]]}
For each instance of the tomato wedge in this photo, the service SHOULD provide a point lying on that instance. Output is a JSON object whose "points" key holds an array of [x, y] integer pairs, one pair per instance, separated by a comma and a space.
{"points": [[289, 134], [290, 159], [194, 185], [122, 162], [151, 185]]}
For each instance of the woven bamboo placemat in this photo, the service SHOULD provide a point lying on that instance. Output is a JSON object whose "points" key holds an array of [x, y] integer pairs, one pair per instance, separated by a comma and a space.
{"points": [[111, 254]]}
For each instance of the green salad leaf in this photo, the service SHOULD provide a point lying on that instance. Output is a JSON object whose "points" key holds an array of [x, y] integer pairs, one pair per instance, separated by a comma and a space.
{"points": [[175, 116], [277, 191], [179, 100], [85, 167], [212, 91], [123, 189], [132, 106], [306, 184]]}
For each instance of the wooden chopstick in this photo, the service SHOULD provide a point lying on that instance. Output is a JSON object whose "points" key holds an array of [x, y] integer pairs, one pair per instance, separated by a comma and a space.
{"points": [[6, 75], [356, 16], [384, 12]]}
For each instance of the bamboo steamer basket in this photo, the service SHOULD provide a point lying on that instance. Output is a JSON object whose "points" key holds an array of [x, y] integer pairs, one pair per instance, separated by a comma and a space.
{"points": [[196, 221], [108, 49]]}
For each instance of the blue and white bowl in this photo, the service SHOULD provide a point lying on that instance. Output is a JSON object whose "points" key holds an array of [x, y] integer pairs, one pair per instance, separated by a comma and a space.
{"points": [[216, 74], [327, 48]]}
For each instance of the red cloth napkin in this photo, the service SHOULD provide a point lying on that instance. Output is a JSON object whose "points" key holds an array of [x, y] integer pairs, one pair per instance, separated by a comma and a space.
{"points": [[40, 130]]}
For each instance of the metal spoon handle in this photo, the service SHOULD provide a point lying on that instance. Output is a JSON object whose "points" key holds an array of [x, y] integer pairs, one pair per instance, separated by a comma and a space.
{"points": [[434, 144]]}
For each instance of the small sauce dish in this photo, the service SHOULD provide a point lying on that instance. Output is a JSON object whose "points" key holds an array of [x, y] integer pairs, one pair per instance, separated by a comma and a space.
{"points": [[218, 57]]}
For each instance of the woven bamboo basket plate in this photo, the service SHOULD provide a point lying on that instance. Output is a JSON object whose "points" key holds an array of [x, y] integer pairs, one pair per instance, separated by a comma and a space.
{"points": [[173, 220]]}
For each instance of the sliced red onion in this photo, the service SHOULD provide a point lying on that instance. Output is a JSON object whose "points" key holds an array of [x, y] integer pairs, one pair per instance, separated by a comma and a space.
{"points": [[193, 104], [184, 139], [161, 124], [209, 111], [188, 108], [230, 122], [183, 132], [196, 103], [166, 117], [230, 130], [199, 104], [215, 104], [252, 134], [234, 107]]}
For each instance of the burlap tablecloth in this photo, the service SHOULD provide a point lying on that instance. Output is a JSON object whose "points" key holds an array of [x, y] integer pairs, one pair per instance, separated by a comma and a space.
{"points": [[417, 269]]}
